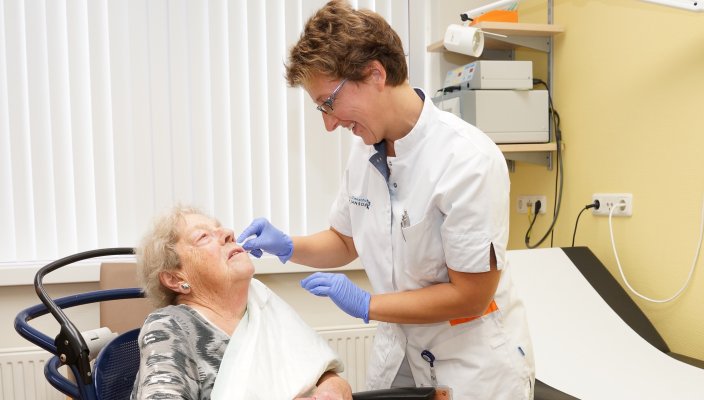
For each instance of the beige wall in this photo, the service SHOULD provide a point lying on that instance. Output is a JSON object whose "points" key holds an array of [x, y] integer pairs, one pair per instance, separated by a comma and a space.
{"points": [[629, 86]]}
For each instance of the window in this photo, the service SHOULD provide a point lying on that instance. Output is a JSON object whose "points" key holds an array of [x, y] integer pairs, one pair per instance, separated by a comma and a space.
{"points": [[112, 111]]}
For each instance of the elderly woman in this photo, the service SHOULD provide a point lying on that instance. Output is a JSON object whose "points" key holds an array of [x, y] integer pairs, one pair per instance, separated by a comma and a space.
{"points": [[215, 321]]}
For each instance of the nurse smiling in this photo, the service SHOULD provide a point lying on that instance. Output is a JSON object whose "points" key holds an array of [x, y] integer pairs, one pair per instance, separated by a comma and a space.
{"points": [[423, 204]]}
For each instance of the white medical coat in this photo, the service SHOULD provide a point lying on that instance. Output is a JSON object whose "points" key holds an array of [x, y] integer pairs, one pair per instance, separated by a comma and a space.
{"points": [[452, 182]]}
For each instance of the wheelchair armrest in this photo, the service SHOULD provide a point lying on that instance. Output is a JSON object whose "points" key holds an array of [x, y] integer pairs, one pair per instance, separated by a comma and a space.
{"points": [[410, 393]]}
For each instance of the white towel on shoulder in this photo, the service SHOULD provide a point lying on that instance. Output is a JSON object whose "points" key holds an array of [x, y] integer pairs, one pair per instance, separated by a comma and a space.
{"points": [[278, 356]]}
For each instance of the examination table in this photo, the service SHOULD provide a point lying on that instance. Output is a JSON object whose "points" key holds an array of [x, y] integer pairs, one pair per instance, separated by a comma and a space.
{"points": [[590, 339]]}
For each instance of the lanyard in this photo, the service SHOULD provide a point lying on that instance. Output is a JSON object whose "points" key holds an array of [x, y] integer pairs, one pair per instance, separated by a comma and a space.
{"points": [[430, 358], [441, 392]]}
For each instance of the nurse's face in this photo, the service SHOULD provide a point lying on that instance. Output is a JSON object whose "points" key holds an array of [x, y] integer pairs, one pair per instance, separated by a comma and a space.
{"points": [[209, 256], [346, 104]]}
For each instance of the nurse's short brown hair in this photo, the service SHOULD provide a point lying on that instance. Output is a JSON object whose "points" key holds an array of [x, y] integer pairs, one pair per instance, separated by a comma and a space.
{"points": [[340, 42]]}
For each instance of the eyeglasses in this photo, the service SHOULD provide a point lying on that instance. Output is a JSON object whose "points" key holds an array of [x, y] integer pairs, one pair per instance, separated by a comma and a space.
{"points": [[326, 106]]}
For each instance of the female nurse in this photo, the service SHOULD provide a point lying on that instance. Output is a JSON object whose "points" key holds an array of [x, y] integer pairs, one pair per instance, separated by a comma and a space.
{"points": [[424, 204]]}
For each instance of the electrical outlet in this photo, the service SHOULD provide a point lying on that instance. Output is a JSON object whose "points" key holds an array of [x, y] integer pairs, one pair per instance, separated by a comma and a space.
{"points": [[527, 201], [622, 201]]}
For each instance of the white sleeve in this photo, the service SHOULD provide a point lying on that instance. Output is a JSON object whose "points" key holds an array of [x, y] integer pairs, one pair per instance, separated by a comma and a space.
{"points": [[340, 209]]}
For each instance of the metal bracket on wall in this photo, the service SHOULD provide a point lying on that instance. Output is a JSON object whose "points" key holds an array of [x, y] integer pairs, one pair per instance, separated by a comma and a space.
{"points": [[540, 158]]}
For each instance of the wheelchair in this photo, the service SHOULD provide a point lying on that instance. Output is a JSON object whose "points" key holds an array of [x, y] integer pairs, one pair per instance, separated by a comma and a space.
{"points": [[113, 372]]}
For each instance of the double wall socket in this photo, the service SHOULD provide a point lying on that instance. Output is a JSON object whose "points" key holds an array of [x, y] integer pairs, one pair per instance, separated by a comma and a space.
{"points": [[528, 201], [623, 202]]}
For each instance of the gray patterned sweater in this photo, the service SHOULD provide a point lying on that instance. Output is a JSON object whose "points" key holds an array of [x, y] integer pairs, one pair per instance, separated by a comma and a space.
{"points": [[180, 355]]}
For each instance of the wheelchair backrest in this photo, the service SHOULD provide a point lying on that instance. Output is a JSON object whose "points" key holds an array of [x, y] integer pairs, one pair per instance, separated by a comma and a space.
{"points": [[116, 367]]}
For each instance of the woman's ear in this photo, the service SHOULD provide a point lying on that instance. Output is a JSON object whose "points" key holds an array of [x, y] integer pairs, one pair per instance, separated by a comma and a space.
{"points": [[377, 74], [171, 281]]}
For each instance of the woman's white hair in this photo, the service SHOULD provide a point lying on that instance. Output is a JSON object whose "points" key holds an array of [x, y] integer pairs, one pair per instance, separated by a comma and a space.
{"points": [[157, 253]]}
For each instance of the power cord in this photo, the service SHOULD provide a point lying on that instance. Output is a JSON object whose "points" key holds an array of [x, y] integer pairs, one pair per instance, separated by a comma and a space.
{"points": [[559, 172], [536, 208], [595, 205], [449, 89], [691, 271]]}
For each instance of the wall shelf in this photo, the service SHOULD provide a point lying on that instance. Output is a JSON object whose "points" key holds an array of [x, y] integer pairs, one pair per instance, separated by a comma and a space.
{"points": [[534, 153], [532, 36], [527, 147], [527, 35]]}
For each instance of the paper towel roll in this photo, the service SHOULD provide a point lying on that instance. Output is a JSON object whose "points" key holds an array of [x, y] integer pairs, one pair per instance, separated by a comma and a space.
{"points": [[464, 39]]}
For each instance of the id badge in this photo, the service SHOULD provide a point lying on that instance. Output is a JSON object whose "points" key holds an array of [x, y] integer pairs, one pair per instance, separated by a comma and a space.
{"points": [[443, 393]]}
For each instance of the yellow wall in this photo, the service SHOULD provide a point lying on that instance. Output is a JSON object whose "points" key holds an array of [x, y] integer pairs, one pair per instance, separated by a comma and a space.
{"points": [[629, 86]]}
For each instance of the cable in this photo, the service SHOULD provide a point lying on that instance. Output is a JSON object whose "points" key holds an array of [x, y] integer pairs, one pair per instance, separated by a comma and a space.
{"points": [[691, 271], [595, 204], [535, 215], [559, 169]]}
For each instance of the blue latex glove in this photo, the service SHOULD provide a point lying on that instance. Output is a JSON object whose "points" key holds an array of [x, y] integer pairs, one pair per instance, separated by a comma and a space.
{"points": [[267, 238], [345, 294]]}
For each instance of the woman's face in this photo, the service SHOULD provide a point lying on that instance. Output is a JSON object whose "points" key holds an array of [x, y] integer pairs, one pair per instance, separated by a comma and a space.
{"points": [[352, 106], [209, 256]]}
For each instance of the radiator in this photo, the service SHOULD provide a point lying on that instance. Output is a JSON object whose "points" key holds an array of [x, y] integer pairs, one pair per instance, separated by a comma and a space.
{"points": [[353, 344], [22, 369], [22, 375]]}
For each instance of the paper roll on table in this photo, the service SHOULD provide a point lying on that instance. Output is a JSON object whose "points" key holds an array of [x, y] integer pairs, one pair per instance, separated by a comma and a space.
{"points": [[464, 39]]}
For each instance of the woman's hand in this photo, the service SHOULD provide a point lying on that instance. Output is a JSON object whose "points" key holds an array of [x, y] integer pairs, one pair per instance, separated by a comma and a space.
{"points": [[268, 238], [332, 387], [343, 292]]}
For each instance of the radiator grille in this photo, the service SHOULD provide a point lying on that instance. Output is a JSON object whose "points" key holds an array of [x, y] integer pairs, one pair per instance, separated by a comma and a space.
{"points": [[22, 376], [353, 344]]}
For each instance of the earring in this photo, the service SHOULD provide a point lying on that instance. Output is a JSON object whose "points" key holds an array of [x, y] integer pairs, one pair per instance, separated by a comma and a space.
{"points": [[185, 286]]}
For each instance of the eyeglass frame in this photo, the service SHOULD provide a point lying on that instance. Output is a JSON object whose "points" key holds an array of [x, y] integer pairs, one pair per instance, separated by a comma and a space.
{"points": [[331, 99]]}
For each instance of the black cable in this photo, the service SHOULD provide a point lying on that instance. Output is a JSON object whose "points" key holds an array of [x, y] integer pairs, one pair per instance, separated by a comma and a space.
{"points": [[558, 138], [559, 169], [596, 205], [536, 207], [558, 158]]}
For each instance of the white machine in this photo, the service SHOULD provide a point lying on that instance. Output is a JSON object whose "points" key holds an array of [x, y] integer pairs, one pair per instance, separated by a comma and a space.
{"points": [[507, 116], [492, 74]]}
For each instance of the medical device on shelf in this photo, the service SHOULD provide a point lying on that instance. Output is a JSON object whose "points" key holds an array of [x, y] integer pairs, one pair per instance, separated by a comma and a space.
{"points": [[491, 74], [507, 116], [496, 97]]}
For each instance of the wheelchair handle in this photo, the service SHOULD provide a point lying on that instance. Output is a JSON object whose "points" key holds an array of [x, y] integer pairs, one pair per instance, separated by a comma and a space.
{"points": [[70, 345]]}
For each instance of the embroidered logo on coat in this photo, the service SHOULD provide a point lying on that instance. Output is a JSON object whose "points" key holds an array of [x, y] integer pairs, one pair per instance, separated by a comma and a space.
{"points": [[359, 201]]}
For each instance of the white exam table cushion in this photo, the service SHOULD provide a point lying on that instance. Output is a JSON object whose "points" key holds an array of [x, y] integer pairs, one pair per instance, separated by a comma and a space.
{"points": [[582, 347]]}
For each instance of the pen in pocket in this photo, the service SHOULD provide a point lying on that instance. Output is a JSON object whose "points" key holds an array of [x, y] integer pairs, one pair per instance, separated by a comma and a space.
{"points": [[405, 223]]}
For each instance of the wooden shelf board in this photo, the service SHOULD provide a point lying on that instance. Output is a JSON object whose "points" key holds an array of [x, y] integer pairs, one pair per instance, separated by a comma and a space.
{"points": [[508, 29], [527, 147], [520, 29]]}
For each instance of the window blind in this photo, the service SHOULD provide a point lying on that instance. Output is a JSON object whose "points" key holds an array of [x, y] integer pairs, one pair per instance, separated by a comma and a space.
{"points": [[112, 111]]}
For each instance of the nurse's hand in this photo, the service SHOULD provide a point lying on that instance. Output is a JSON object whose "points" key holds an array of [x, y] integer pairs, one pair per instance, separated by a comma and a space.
{"points": [[345, 294], [267, 238]]}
